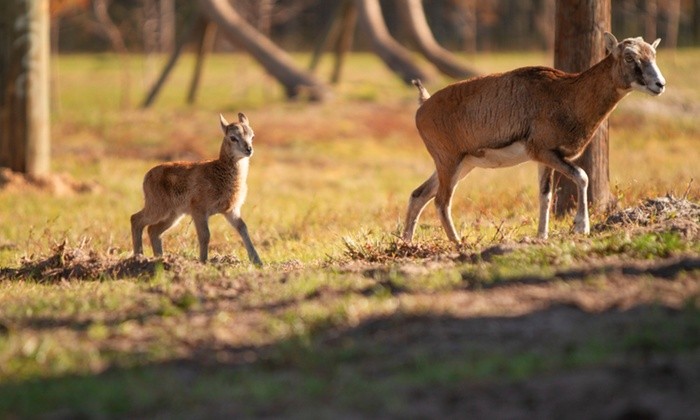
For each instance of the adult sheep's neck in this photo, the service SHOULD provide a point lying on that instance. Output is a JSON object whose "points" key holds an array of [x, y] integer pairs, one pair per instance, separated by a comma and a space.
{"points": [[596, 91]]}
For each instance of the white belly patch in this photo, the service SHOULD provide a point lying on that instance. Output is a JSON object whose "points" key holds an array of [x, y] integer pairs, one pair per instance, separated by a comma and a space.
{"points": [[512, 155]]}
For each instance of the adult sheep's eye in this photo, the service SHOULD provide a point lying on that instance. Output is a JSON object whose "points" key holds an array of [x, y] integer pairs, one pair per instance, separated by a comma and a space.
{"points": [[629, 58]]}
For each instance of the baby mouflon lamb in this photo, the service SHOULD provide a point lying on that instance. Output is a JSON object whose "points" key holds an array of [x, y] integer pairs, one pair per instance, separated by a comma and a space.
{"points": [[200, 189]]}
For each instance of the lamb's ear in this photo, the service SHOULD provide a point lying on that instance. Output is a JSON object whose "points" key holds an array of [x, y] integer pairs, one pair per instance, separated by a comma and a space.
{"points": [[655, 43], [242, 118], [610, 42], [223, 122]]}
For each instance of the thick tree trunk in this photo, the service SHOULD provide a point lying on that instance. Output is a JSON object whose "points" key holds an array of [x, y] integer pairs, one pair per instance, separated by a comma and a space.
{"points": [[396, 57], [578, 45], [24, 86], [275, 60], [413, 19]]}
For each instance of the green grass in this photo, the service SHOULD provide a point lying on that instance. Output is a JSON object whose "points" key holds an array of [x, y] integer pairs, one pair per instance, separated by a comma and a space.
{"points": [[344, 317]]}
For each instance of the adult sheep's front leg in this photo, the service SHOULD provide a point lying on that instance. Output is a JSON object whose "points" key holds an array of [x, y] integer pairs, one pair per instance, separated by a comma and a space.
{"points": [[579, 177]]}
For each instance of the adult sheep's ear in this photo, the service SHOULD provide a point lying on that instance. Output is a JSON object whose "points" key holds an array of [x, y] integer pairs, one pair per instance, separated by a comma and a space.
{"points": [[655, 43], [610, 43], [223, 122]]}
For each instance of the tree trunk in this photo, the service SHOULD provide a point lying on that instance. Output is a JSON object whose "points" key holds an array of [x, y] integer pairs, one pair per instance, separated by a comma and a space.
{"points": [[205, 43], [184, 40], [114, 35], [339, 31], [275, 60], [413, 19], [24, 86], [650, 17], [345, 38], [578, 45], [167, 23], [396, 57], [673, 14]]}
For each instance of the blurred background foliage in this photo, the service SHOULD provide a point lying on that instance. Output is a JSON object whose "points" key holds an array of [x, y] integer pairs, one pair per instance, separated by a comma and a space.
{"points": [[461, 25]]}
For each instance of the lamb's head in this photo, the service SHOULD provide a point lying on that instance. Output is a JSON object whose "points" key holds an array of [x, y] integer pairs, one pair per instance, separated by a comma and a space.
{"points": [[636, 64], [238, 138]]}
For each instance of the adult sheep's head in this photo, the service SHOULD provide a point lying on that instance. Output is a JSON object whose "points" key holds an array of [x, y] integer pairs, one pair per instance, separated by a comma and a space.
{"points": [[637, 64]]}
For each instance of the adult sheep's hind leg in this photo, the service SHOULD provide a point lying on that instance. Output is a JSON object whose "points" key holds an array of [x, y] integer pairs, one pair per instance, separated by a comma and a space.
{"points": [[419, 198], [545, 178], [447, 179]]}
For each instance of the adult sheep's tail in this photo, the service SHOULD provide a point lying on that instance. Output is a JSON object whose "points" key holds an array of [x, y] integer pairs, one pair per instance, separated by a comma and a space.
{"points": [[423, 94]]}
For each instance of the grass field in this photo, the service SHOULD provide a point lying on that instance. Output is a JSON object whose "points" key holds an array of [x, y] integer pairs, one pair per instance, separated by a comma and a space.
{"points": [[344, 319]]}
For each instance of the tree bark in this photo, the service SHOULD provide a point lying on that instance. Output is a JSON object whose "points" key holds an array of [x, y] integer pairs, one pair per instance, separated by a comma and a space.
{"points": [[345, 38], [650, 18], [167, 26], [578, 45], [413, 18], [339, 31], [396, 57], [24, 86], [672, 23], [205, 43], [275, 60], [184, 40]]}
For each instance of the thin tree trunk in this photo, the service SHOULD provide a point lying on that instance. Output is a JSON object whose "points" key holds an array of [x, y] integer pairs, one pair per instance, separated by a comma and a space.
{"points": [[413, 17], [396, 57], [24, 86], [345, 38], [184, 40], [275, 60], [101, 10], [205, 43], [578, 45], [167, 26], [329, 35], [650, 15], [672, 23]]}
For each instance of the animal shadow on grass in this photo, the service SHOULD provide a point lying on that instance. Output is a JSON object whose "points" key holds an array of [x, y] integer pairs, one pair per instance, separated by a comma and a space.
{"points": [[549, 363]]}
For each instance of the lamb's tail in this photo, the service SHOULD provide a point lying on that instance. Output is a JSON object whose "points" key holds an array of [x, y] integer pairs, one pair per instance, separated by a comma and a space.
{"points": [[423, 94]]}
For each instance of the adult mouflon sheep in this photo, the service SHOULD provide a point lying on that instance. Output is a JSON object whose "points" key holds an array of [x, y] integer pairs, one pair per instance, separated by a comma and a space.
{"points": [[532, 113]]}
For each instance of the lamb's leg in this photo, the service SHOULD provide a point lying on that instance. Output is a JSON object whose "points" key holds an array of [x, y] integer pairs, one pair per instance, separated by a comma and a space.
{"points": [[579, 177], [238, 223], [156, 230], [137, 226], [419, 198], [546, 175], [201, 224]]}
